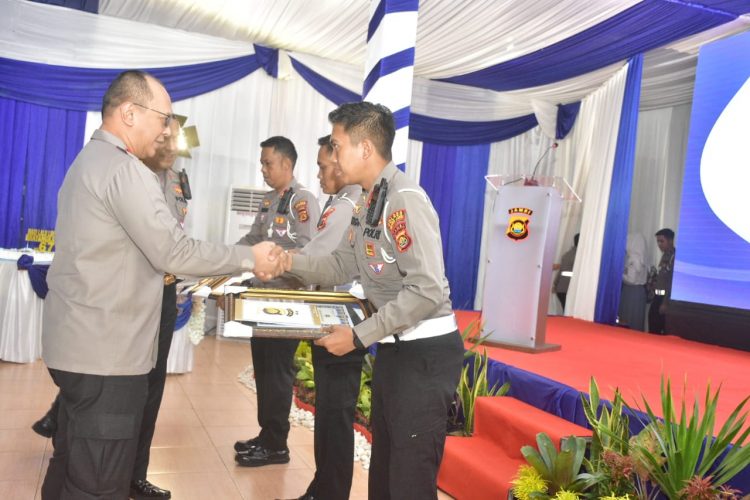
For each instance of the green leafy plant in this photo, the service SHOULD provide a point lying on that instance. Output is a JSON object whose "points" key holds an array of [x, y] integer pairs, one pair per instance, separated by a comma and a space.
{"points": [[560, 471], [305, 377], [364, 400], [609, 447], [687, 453], [472, 384]]}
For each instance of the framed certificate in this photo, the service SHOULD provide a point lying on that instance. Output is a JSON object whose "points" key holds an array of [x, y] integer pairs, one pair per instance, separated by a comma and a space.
{"points": [[296, 314]]}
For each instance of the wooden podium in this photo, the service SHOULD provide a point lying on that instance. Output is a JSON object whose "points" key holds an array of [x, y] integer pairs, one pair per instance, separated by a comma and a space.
{"points": [[518, 275]]}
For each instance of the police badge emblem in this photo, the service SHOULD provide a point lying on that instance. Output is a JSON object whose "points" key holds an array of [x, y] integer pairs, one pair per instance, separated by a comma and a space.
{"points": [[518, 223]]}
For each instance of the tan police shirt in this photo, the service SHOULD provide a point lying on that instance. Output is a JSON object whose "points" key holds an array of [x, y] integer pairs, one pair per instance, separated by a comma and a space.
{"points": [[400, 260], [115, 239], [291, 229], [175, 198], [333, 222]]}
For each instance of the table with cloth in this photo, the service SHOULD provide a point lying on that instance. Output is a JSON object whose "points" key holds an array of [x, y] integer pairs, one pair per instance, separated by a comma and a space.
{"points": [[22, 281]]}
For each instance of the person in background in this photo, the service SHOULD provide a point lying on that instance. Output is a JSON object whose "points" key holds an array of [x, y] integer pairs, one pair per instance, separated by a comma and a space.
{"points": [[661, 286], [565, 271], [287, 217], [337, 378], [632, 309]]}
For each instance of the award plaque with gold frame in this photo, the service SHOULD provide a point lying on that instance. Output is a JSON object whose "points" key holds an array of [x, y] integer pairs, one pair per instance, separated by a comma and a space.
{"points": [[294, 314]]}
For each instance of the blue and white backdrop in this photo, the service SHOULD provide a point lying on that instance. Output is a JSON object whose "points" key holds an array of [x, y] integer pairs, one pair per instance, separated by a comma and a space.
{"points": [[612, 85]]}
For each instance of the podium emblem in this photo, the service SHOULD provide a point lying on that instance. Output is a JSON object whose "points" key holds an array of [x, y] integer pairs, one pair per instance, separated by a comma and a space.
{"points": [[518, 223]]}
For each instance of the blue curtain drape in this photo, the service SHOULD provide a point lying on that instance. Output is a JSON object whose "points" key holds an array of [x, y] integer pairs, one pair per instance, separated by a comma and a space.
{"points": [[91, 6], [618, 209], [441, 131], [566, 118], [453, 177], [38, 144], [646, 25], [82, 89]]}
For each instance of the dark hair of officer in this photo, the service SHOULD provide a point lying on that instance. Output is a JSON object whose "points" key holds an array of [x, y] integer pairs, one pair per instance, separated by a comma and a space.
{"points": [[365, 120], [326, 141], [131, 85], [666, 232], [283, 146]]}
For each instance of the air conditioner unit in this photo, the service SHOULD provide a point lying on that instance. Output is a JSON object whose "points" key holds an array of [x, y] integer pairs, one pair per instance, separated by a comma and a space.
{"points": [[242, 206]]}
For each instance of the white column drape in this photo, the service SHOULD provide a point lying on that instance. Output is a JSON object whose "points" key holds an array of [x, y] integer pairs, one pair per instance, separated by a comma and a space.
{"points": [[657, 179], [595, 135]]}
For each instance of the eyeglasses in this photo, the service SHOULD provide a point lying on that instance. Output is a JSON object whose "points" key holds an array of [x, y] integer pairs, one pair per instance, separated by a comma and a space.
{"points": [[167, 118]]}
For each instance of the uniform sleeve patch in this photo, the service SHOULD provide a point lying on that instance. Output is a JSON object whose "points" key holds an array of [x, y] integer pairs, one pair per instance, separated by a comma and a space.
{"points": [[369, 249], [301, 208], [324, 218], [397, 227]]}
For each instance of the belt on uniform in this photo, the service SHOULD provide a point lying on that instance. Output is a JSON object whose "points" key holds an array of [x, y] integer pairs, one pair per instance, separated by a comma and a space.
{"points": [[660, 292], [425, 329], [169, 279]]}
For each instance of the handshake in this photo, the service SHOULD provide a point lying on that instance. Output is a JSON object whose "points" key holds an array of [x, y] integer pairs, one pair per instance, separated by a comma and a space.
{"points": [[271, 261]]}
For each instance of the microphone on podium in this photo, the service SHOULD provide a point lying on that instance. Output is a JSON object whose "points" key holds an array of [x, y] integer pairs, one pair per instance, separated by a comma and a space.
{"points": [[531, 181]]}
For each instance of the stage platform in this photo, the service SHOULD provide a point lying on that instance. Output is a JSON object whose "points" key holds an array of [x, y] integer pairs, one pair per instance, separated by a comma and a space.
{"points": [[617, 357]]}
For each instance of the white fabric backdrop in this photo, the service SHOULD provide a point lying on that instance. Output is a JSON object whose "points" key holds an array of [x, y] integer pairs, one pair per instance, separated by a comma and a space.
{"points": [[595, 136], [657, 179]]}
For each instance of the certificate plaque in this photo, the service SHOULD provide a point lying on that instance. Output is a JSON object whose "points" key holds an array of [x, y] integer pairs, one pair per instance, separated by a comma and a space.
{"points": [[294, 314]]}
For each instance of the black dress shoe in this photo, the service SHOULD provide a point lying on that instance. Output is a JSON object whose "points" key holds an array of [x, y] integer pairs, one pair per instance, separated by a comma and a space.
{"points": [[141, 488], [259, 456], [245, 446], [45, 426]]}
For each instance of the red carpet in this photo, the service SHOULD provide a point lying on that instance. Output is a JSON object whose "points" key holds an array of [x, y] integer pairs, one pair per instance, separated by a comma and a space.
{"points": [[632, 361]]}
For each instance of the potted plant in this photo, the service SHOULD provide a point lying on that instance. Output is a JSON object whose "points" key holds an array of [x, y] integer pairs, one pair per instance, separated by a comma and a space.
{"points": [[553, 474]]}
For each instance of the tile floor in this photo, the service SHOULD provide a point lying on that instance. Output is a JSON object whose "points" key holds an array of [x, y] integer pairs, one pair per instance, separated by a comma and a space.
{"points": [[203, 413]]}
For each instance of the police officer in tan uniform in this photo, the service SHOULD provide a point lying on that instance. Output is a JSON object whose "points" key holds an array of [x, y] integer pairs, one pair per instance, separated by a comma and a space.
{"points": [[115, 240], [161, 164], [394, 244], [287, 217], [337, 378]]}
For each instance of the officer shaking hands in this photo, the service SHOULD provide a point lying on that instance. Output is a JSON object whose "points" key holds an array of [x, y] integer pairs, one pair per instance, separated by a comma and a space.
{"points": [[393, 244]]}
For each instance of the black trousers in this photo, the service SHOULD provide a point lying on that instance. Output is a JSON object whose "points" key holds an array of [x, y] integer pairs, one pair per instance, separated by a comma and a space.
{"points": [[273, 364], [337, 381], [656, 320], [156, 380], [97, 434], [413, 385]]}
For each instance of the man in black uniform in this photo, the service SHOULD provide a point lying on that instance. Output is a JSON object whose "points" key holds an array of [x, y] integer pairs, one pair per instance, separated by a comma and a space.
{"points": [[662, 287], [337, 378], [394, 245], [286, 217]]}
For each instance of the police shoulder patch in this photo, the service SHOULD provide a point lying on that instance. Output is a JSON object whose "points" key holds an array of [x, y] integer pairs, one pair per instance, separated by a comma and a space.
{"points": [[324, 218], [301, 208], [397, 227]]}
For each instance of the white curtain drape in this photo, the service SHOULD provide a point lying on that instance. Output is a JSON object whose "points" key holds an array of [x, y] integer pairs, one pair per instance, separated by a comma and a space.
{"points": [[595, 135], [41, 33], [414, 160], [453, 37], [659, 167]]}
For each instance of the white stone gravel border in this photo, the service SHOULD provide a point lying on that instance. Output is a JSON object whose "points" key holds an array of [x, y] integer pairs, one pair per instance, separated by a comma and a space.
{"points": [[303, 418]]}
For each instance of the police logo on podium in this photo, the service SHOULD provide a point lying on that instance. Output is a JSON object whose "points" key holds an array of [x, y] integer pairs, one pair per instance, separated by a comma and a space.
{"points": [[518, 223]]}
